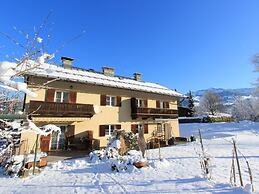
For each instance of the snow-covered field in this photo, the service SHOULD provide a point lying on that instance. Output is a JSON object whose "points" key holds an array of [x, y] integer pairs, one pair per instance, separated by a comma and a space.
{"points": [[179, 172]]}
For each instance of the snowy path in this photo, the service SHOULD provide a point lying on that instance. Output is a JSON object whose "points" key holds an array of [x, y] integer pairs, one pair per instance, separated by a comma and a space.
{"points": [[179, 172]]}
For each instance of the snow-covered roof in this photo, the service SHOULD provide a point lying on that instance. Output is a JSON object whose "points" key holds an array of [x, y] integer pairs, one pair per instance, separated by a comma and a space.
{"points": [[96, 78]]}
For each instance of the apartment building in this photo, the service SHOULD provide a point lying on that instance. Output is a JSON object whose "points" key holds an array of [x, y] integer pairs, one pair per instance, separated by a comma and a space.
{"points": [[88, 105]]}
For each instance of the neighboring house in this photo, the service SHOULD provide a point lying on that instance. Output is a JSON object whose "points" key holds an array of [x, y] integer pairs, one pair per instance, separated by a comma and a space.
{"points": [[89, 105], [185, 111]]}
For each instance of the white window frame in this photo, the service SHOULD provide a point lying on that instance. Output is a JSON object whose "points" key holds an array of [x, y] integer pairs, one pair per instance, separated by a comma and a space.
{"points": [[162, 103], [109, 102], [111, 129], [62, 96], [140, 103], [139, 126], [58, 137]]}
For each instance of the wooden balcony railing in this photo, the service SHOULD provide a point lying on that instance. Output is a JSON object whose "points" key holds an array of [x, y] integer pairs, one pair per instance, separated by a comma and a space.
{"points": [[57, 109], [152, 112]]}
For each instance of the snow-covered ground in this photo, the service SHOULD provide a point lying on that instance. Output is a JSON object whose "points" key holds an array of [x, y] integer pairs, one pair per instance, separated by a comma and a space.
{"points": [[179, 172]]}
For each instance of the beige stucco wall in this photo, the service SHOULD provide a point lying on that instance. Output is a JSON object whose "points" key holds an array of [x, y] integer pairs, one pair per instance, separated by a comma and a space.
{"points": [[28, 140], [89, 94]]}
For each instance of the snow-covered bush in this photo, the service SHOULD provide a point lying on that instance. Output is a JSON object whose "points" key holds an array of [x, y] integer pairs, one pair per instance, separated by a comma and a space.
{"points": [[131, 140], [111, 154]]}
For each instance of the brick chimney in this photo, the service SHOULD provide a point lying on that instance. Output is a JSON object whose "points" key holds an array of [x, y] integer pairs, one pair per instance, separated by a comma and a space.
{"points": [[67, 62], [137, 76], [108, 71]]}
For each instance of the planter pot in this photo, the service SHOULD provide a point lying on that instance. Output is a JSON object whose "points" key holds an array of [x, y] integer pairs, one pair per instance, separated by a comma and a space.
{"points": [[140, 164], [43, 162]]}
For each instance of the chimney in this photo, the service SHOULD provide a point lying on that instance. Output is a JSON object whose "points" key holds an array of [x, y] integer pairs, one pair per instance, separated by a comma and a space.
{"points": [[67, 62], [137, 76], [108, 71]]}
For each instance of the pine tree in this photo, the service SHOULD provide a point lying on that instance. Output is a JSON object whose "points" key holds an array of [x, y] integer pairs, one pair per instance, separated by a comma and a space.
{"points": [[190, 102]]}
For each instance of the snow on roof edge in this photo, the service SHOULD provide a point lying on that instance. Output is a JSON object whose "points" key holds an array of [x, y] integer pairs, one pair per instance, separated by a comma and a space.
{"points": [[97, 78]]}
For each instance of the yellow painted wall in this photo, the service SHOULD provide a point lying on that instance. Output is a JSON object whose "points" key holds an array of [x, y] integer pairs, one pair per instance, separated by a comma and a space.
{"points": [[89, 94], [28, 140]]}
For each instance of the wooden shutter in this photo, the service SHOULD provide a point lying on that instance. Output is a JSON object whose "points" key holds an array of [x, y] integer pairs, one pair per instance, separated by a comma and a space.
{"points": [[44, 143], [103, 100], [70, 131], [118, 101], [133, 103], [158, 104], [72, 97], [145, 104], [146, 128], [50, 93], [118, 126], [134, 128], [102, 130]]}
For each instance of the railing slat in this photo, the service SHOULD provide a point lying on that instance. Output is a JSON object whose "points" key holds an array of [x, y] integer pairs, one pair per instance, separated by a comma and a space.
{"points": [[56, 108]]}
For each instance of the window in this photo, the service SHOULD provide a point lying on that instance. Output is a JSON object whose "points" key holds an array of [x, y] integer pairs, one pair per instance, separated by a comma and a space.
{"points": [[109, 129], [164, 104], [58, 140], [139, 127], [62, 97], [110, 100], [140, 103]]}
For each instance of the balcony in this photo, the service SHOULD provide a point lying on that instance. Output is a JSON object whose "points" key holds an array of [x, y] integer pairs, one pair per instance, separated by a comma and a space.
{"points": [[144, 113], [56, 109]]}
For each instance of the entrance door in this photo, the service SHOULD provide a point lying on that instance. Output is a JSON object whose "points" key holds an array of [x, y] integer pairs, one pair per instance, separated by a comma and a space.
{"points": [[58, 139], [44, 143]]}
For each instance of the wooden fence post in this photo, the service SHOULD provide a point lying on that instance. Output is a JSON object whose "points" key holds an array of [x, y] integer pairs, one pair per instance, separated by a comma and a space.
{"points": [[233, 170], [35, 154], [238, 165]]}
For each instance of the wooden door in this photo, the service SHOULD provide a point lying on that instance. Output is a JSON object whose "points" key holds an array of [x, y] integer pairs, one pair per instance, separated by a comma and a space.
{"points": [[44, 143]]}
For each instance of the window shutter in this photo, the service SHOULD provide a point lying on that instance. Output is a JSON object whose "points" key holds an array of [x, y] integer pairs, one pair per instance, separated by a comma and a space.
{"points": [[118, 126], [133, 103], [118, 101], [102, 130], [134, 128], [72, 97], [157, 104], [146, 128], [70, 131], [103, 100], [50, 93], [145, 103]]}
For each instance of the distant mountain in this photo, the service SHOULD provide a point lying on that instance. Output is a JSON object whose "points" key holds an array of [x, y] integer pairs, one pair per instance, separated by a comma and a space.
{"points": [[227, 95]]}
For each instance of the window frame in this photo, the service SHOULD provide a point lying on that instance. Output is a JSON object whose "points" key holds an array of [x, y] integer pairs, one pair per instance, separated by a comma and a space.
{"points": [[140, 103], [111, 129], [61, 97], [139, 126], [109, 102], [163, 104]]}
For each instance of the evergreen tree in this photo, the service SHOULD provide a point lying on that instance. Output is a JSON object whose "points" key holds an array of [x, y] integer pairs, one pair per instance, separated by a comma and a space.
{"points": [[190, 100]]}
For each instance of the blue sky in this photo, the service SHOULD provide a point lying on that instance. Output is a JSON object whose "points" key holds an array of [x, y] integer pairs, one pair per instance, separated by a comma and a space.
{"points": [[187, 45]]}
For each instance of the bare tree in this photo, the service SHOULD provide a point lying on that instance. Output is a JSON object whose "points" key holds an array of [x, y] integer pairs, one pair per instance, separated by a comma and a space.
{"points": [[210, 103], [246, 108]]}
